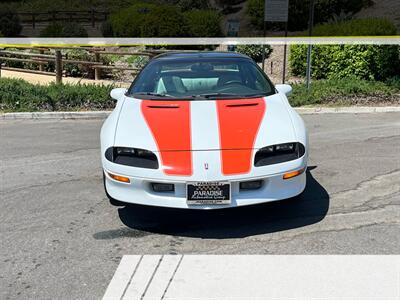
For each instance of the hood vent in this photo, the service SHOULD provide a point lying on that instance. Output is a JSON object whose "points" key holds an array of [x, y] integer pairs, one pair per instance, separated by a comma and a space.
{"points": [[163, 107], [242, 104]]}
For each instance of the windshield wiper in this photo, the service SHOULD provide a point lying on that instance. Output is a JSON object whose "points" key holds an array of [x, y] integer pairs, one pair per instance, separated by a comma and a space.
{"points": [[154, 94], [257, 95], [212, 95]]}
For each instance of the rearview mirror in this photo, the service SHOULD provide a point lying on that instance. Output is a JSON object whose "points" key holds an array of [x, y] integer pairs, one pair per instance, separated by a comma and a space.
{"points": [[284, 89], [118, 93]]}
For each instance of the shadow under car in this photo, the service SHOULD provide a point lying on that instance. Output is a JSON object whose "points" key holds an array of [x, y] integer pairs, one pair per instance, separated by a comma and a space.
{"points": [[308, 208]]}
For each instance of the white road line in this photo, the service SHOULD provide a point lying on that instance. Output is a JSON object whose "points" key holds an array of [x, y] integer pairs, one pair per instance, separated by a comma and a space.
{"points": [[163, 277], [142, 277], [122, 277], [223, 277]]}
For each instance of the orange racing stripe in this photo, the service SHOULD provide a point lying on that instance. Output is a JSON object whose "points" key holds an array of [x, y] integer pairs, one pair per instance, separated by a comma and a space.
{"points": [[239, 121], [169, 123]]}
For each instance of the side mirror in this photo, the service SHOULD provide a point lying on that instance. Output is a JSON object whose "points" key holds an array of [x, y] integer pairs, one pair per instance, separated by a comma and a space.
{"points": [[284, 89], [118, 93]]}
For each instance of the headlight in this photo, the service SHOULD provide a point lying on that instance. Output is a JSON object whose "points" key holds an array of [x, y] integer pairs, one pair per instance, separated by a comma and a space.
{"points": [[132, 157], [278, 153]]}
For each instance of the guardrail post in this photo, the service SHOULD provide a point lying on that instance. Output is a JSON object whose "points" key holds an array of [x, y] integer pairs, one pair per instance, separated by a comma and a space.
{"points": [[33, 21], [97, 71], [58, 66], [41, 65]]}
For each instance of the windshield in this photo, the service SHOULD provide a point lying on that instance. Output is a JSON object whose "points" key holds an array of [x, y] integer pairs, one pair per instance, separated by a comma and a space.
{"points": [[201, 78]]}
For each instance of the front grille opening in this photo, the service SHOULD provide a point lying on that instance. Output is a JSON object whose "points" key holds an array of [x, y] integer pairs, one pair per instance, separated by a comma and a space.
{"points": [[251, 185], [162, 187]]}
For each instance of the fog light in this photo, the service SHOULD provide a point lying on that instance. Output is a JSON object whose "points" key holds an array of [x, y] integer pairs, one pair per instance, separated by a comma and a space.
{"points": [[251, 185], [293, 174], [163, 187], [119, 178]]}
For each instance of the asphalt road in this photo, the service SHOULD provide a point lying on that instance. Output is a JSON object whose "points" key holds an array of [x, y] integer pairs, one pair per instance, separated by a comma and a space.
{"points": [[59, 237]]}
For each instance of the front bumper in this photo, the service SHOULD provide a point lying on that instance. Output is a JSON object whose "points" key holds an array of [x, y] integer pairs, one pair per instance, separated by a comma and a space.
{"points": [[139, 191]]}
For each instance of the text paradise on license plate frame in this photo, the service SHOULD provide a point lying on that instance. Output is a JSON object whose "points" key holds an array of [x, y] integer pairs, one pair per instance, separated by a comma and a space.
{"points": [[208, 193]]}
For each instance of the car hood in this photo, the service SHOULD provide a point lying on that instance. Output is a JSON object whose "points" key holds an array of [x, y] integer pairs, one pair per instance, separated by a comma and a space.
{"points": [[176, 125]]}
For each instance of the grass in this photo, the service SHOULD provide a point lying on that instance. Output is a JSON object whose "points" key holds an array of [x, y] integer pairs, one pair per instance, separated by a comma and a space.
{"points": [[17, 95], [346, 91]]}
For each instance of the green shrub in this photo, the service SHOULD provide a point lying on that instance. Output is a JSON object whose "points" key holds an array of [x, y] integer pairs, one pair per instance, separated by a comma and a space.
{"points": [[337, 61], [346, 91], [299, 11], [203, 23], [19, 95], [77, 70], [148, 20], [74, 30], [362, 61], [10, 25], [52, 30], [254, 51], [356, 27], [137, 61], [186, 5], [394, 82], [255, 11], [64, 30]]}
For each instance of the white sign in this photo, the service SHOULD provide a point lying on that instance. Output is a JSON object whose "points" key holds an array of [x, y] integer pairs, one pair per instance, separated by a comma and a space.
{"points": [[276, 10]]}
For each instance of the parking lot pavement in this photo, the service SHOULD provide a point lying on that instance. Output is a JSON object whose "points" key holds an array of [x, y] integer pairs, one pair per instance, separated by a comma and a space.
{"points": [[61, 239]]}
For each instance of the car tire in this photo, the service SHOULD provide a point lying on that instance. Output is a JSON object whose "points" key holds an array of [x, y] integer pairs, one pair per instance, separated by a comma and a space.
{"points": [[113, 202]]}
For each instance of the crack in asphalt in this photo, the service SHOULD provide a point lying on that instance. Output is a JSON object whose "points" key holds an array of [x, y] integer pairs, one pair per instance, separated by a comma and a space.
{"points": [[238, 243], [47, 184], [380, 138], [78, 150], [382, 183], [302, 234], [370, 205]]}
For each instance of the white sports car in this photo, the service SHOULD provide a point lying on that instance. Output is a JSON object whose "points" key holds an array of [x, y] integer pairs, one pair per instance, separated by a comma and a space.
{"points": [[203, 130]]}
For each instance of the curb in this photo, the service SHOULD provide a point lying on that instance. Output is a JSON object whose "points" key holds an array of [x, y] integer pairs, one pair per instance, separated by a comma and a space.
{"points": [[55, 115], [104, 114], [347, 110]]}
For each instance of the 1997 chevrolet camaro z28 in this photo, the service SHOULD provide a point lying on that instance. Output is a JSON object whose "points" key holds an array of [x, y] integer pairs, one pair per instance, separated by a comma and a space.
{"points": [[203, 130]]}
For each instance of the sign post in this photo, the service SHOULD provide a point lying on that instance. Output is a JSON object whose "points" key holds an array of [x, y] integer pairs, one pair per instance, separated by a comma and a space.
{"points": [[309, 50], [277, 11]]}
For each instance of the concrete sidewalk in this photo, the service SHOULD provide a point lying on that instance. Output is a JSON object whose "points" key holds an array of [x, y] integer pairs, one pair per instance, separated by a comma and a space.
{"points": [[255, 277], [47, 79]]}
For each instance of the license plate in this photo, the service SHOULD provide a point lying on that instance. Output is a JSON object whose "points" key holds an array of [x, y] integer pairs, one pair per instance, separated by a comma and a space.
{"points": [[199, 193]]}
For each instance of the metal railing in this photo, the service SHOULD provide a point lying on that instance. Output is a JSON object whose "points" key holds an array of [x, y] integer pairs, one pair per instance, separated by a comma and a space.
{"points": [[59, 60], [89, 16]]}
